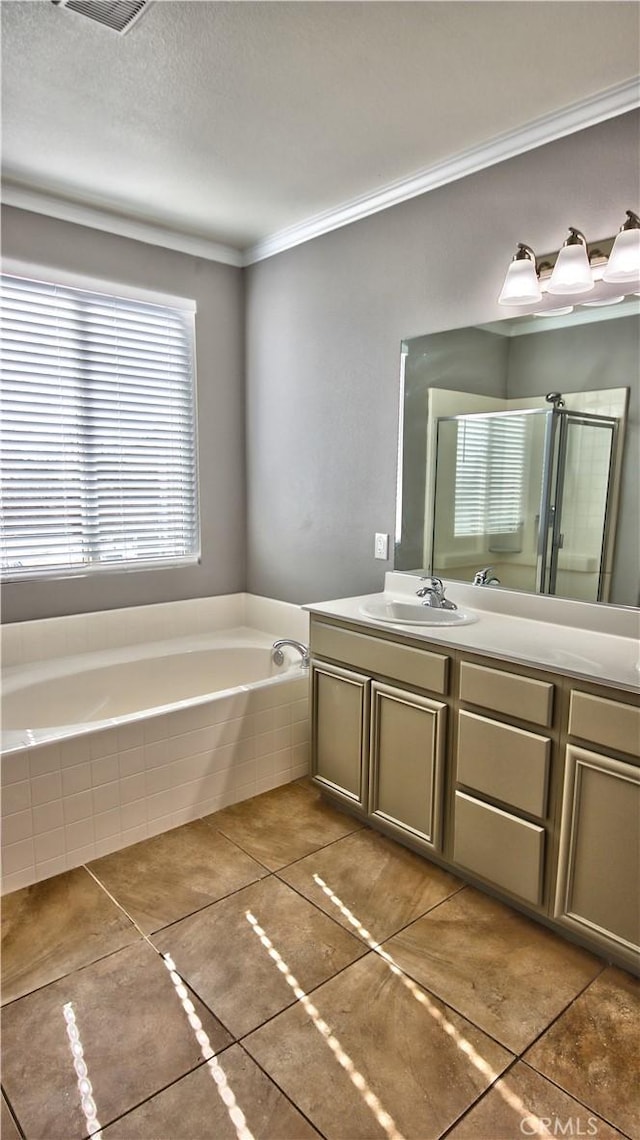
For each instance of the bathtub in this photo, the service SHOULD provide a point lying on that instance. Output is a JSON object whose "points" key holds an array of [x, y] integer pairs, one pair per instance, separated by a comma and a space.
{"points": [[136, 733]]}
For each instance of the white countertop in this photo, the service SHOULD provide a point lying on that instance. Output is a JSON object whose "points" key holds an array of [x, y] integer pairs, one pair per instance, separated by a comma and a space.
{"points": [[593, 654]]}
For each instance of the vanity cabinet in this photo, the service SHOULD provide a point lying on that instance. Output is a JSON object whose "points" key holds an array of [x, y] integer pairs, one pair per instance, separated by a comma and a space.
{"points": [[521, 781], [598, 882], [378, 746]]}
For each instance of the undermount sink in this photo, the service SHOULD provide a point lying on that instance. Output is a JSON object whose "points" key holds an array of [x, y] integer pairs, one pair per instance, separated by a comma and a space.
{"points": [[412, 613]]}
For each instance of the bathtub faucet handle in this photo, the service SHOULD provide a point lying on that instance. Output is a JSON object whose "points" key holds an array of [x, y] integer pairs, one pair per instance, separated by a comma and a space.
{"points": [[277, 655]]}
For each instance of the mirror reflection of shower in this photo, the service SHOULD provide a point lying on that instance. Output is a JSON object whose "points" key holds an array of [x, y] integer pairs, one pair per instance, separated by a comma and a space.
{"points": [[531, 492]]}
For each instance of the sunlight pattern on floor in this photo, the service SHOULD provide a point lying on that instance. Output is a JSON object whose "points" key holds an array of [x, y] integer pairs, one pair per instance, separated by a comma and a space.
{"points": [[87, 1103], [225, 1092], [371, 1100], [461, 1042]]}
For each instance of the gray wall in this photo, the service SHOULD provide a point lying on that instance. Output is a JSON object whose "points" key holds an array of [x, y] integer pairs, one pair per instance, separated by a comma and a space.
{"points": [[324, 324], [324, 327], [466, 360], [219, 294]]}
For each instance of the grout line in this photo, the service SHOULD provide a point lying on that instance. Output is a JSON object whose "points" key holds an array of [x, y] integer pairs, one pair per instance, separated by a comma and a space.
{"points": [[285, 1094], [562, 1012], [290, 1005], [157, 1092], [284, 866], [582, 1103], [116, 903], [479, 1099], [342, 926], [12, 1113], [148, 939]]}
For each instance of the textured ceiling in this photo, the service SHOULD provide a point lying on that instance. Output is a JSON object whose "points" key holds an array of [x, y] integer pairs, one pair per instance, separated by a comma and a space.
{"points": [[232, 121]]}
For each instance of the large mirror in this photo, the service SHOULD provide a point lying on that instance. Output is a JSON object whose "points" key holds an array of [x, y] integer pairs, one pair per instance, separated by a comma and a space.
{"points": [[518, 451]]}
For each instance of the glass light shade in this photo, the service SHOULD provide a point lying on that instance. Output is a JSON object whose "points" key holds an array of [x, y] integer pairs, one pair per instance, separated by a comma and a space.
{"points": [[624, 259], [555, 312], [521, 285], [571, 272]]}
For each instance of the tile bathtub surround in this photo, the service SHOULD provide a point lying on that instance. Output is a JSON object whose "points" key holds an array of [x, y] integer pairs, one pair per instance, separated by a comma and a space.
{"points": [[21, 642], [67, 803], [360, 1050]]}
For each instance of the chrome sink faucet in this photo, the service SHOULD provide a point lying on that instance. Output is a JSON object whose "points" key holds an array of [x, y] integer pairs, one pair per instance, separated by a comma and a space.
{"points": [[486, 577], [432, 594]]}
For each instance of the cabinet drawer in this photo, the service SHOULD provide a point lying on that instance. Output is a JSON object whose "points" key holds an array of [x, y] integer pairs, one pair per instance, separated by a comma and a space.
{"points": [[499, 847], [610, 723], [504, 762], [386, 658], [522, 697]]}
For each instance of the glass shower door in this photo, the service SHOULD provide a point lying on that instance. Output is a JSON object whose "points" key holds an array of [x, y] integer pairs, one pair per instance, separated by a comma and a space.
{"points": [[580, 451]]}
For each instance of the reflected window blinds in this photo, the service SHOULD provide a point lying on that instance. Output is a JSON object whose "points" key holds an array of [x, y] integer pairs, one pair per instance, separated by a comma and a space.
{"points": [[490, 466]]}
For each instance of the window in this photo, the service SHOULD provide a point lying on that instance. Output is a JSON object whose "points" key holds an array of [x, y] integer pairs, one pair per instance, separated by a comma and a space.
{"points": [[490, 463], [98, 451]]}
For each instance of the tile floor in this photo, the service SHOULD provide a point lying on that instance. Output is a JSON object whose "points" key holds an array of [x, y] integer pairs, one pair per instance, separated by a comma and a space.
{"points": [[278, 971]]}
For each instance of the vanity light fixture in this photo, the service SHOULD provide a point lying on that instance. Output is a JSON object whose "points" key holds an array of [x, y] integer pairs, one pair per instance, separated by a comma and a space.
{"points": [[521, 285], [581, 272], [624, 259], [572, 271]]}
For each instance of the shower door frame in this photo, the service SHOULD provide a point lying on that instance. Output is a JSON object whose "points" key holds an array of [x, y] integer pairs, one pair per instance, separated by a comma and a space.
{"points": [[550, 536]]}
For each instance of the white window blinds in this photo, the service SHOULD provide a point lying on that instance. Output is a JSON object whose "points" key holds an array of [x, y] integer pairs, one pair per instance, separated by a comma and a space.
{"points": [[490, 465], [98, 443]]}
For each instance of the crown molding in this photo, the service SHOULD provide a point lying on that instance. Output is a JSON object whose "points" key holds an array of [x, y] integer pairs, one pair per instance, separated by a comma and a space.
{"points": [[576, 117], [40, 202]]}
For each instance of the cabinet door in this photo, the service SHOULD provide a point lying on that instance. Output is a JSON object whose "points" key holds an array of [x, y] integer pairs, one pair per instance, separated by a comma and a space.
{"points": [[406, 761], [340, 731], [598, 873]]}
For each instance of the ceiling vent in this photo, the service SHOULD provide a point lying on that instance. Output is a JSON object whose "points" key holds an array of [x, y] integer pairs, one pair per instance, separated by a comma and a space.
{"points": [[119, 15]]}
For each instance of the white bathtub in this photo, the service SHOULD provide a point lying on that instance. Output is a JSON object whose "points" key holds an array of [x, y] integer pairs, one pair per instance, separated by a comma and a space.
{"points": [[64, 696], [117, 743]]}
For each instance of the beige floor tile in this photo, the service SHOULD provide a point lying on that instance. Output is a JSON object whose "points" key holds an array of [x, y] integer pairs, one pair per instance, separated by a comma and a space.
{"points": [[56, 926], [8, 1130], [165, 878], [283, 825], [522, 1101], [192, 1109], [135, 1035], [224, 961], [422, 1062], [385, 886], [593, 1050], [506, 973]]}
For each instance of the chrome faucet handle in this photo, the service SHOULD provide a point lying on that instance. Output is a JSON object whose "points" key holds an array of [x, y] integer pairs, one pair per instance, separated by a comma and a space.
{"points": [[434, 583], [433, 594], [486, 577]]}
